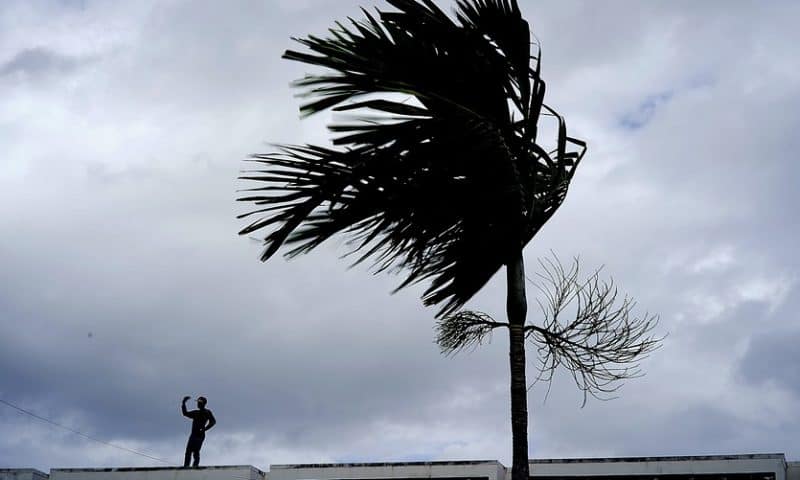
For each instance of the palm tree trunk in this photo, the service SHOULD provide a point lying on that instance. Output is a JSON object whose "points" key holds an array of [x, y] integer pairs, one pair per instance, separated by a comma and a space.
{"points": [[517, 309]]}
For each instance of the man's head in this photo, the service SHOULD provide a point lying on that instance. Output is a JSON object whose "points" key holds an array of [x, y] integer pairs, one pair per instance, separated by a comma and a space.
{"points": [[201, 402]]}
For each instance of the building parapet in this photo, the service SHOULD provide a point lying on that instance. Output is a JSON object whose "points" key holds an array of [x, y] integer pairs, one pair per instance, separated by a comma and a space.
{"points": [[22, 474], [452, 470], [218, 472]]}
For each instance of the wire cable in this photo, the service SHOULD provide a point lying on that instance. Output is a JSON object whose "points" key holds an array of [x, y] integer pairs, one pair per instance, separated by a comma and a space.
{"points": [[51, 422]]}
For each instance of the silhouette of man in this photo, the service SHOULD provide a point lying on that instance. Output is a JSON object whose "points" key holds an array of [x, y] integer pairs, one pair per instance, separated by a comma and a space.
{"points": [[202, 420]]}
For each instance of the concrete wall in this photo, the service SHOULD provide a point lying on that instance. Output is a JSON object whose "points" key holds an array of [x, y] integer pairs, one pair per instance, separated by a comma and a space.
{"points": [[717, 464], [21, 474], [732, 465], [793, 471], [736, 467], [237, 472], [463, 470]]}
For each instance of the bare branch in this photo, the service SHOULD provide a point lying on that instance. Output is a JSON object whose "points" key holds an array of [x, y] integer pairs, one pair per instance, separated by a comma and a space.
{"points": [[602, 345], [465, 329]]}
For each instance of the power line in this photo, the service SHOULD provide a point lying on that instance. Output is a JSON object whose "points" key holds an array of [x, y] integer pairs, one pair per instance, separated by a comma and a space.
{"points": [[51, 422]]}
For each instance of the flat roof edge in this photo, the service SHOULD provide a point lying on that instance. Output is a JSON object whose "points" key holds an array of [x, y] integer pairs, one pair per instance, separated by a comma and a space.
{"points": [[673, 458], [383, 464], [150, 469]]}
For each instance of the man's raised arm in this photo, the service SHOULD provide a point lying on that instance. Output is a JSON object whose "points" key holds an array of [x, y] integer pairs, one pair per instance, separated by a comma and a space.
{"points": [[183, 407]]}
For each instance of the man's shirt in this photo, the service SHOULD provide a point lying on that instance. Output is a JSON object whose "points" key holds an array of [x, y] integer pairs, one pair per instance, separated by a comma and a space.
{"points": [[199, 420]]}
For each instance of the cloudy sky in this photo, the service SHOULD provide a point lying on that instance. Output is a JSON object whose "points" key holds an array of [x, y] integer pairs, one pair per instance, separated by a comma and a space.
{"points": [[124, 286]]}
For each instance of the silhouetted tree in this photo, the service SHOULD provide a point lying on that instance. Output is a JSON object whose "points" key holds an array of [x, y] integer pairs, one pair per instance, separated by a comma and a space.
{"points": [[441, 174], [586, 328]]}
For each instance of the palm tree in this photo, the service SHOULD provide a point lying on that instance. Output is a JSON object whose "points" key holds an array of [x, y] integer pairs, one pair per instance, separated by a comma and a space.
{"points": [[436, 171]]}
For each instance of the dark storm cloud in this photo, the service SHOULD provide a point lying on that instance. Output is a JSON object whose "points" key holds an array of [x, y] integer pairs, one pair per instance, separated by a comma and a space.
{"points": [[38, 61], [772, 357], [645, 111]]}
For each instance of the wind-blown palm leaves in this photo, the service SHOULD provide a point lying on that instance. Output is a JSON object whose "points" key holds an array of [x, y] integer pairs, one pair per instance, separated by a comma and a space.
{"points": [[436, 170]]}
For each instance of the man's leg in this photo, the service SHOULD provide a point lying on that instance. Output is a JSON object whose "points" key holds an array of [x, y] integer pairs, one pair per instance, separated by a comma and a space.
{"points": [[197, 446], [187, 455]]}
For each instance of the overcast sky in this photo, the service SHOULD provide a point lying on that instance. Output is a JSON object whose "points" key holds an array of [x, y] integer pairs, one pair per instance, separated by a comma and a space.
{"points": [[124, 286]]}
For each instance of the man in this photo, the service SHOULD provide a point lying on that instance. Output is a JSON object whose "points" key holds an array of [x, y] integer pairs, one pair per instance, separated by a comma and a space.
{"points": [[202, 420]]}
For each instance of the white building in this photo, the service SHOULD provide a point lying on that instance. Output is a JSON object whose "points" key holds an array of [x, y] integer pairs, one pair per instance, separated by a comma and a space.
{"points": [[21, 474], [226, 472], [715, 467]]}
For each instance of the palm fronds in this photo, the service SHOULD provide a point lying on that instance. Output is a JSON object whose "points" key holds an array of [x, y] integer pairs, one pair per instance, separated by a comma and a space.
{"points": [[601, 341], [586, 327], [464, 329], [436, 170]]}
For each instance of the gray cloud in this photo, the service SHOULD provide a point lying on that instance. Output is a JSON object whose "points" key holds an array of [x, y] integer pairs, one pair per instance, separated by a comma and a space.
{"points": [[39, 61], [772, 360]]}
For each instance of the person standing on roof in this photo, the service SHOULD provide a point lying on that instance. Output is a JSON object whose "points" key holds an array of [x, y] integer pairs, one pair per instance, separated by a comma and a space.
{"points": [[202, 421]]}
